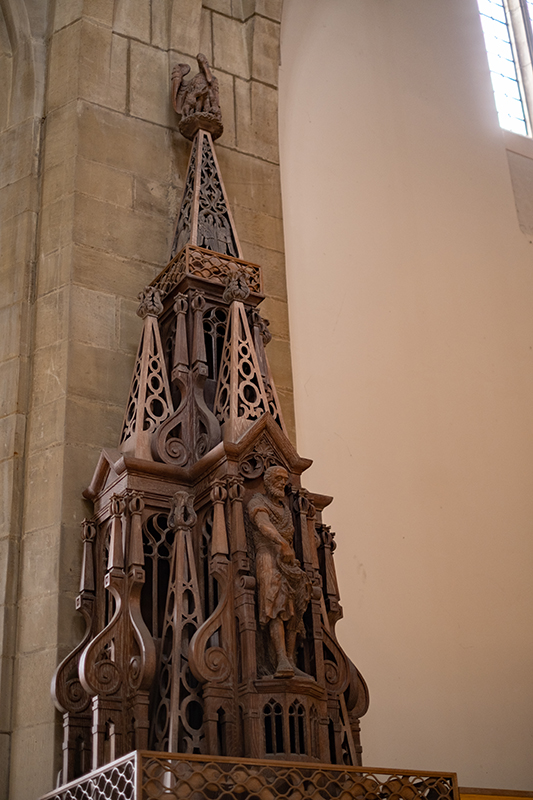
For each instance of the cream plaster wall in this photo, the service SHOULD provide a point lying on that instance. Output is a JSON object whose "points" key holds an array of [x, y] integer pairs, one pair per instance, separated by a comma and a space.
{"points": [[411, 315]]}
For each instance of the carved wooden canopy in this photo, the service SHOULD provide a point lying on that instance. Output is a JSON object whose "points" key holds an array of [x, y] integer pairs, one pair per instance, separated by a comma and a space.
{"points": [[208, 584]]}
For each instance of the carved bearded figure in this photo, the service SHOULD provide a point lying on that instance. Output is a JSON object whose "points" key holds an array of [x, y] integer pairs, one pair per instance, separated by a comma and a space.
{"points": [[283, 587]]}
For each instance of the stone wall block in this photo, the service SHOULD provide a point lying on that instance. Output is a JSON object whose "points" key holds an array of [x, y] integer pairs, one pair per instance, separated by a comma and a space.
{"points": [[18, 152], [49, 373], [66, 12], [222, 6], [152, 197], [44, 743], [130, 326], [8, 480], [104, 183], [125, 143], [132, 18], [259, 228], [54, 270], [279, 357], [57, 224], [242, 9], [265, 51], [11, 374], [12, 430], [120, 231], [273, 263], [265, 121], [48, 425], [58, 181], [51, 318], [185, 20], [85, 416], [42, 510], [286, 398], [99, 10], [227, 104], [61, 135], [37, 623], [98, 269], [27, 80], [161, 23], [6, 70], [150, 85], [8, 620], [80, 462], [232, 45], [63, 70], [250, 182], [31, 670], [98, 374], [206, 37], [92, 317], [9, 548], [12, 330], [269, 8], [18, 197], [103, 67], [276, 311], [5, 750], [16, 236], [257, 120]]}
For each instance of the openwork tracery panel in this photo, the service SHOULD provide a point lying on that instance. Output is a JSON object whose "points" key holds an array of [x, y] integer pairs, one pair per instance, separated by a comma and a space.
{"points": [[183, 228], [158, 540], [214, 224]]}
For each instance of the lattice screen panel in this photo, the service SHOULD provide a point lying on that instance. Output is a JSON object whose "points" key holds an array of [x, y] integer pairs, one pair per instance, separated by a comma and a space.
{"points": [[165, 776]]}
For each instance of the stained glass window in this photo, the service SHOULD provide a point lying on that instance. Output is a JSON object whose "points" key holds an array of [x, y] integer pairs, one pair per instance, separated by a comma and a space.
{"points": [[503, 64]]}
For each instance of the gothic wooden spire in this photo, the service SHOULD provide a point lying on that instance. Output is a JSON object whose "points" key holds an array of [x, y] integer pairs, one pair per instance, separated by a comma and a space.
{"points": [[150, 401], [209, 588], [244, 392], [205, 218]]}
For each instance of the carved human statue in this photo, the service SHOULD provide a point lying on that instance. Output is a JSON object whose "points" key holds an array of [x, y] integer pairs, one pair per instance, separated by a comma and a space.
{"points": [[283, 587]]}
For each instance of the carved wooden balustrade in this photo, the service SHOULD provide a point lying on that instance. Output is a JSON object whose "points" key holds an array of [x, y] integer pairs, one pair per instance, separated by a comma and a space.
{"points": [[154, 776]]}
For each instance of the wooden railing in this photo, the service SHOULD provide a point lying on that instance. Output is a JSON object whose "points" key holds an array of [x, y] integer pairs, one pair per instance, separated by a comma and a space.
{"points": [[146, 775]]}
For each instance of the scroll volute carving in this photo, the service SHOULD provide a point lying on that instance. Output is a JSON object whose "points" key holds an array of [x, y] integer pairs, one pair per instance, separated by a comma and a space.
{"points": [[142, 661], [101, 663], [254, 464], [215, 663], [192, 430], [121, 658], [358, 696], [67, 691]]}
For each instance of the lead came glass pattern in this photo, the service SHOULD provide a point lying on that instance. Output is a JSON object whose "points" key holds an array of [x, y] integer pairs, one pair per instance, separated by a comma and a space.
{"points": [[503, 66]]}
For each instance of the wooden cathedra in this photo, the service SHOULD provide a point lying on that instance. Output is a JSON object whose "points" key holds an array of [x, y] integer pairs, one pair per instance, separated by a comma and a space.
{"points": [[208, 584]]}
